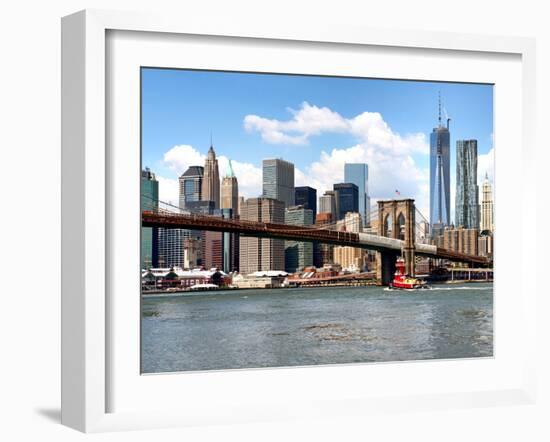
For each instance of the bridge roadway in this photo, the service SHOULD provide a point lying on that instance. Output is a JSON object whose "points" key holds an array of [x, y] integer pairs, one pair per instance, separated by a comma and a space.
{"points": [[299, 233]]}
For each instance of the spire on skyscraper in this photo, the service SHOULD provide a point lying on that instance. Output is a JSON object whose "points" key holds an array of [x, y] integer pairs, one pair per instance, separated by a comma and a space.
{"points": [[211, 180], [439, 102]]}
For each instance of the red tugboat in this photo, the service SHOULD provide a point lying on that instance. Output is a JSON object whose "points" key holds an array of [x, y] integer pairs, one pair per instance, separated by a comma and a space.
{"points": [[402, 281]]}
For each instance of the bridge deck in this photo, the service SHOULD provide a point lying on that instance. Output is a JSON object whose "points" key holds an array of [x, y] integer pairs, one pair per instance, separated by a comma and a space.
{"points": [[298, 233]]}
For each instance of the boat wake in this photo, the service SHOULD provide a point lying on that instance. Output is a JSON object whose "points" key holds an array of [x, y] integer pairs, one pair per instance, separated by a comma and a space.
{"points": [[461, 288], [432, 288]]}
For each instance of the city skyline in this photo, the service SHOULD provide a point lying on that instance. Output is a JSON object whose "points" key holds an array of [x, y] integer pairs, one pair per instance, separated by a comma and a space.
{"points": [[316, 130]]}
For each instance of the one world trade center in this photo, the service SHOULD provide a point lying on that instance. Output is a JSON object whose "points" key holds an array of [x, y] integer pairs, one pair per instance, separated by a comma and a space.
{"points": [[440, 184]]}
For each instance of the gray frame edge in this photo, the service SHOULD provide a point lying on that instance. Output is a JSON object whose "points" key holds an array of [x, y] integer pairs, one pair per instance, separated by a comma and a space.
{"points": [[73, 81]]}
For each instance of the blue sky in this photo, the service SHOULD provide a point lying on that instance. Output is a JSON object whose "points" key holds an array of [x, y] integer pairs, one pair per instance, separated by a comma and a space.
{"points": [[318, 123]]}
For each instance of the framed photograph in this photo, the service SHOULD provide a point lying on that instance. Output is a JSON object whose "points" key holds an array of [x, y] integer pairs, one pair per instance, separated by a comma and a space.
{"points": [[263, 222]]}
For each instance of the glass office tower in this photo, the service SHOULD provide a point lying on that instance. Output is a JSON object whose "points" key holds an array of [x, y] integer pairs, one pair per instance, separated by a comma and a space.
{"points": [[149, 201], [467, 190], [440, 180], [278, 180], [358, 174], [347, 195], [306, 196], [190, 185], [298, 254]]}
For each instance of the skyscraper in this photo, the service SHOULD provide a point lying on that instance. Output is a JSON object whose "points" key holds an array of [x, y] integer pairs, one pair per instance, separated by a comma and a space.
{"points": [[322, 252], [486, 224], [347, 196], [230, 209], [230, 245], [307, 197], [230, 192], [298, 254], [278, 180], [440, 184], [467, 191], [172, 246], [211, 180], [149, 189], [257, 254], [358, 174], [327, 203], [177, 246], [190, 185]]}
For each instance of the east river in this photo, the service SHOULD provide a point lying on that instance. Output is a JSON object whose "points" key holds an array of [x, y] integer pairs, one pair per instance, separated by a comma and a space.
{"points": [[310, 326]]}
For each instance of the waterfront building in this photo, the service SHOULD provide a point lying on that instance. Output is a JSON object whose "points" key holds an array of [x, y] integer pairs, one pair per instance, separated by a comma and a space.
{"points": [[486, 222], [171, 246], [211, 180], [260, 280], [261, 254], [298, 254], [467, 191], [485, 244], [230, 192], [358, 174], [213, 250], [307, 197], [327, 203], [459, 240], [177, 277], [278, 180], [351, 259], [346, 198], [440, 184], [190, 185], [149, 189]]}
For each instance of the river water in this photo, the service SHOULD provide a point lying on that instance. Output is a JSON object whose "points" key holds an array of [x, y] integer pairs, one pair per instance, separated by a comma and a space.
{"points": [[310, 326]]}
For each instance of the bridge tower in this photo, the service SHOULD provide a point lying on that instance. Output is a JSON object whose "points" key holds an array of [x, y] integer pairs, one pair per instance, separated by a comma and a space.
{"points": [[396, 219]]}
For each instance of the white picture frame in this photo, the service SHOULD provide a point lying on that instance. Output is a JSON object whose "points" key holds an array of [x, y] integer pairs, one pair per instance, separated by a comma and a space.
{"points": [[86, 316]]}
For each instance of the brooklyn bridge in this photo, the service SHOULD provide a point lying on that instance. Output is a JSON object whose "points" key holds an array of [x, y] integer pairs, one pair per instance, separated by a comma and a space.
{"points": [[398, 233]]}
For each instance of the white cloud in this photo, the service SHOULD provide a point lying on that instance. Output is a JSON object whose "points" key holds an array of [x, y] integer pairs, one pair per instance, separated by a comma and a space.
{"points": [[371, 128], [388, 154], [248, 175], [168, 190], [309, 120], [486, 164], [180, 158], [388, 172]]}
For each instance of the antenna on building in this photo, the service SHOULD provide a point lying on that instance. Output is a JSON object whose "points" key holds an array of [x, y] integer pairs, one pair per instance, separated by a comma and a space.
{"points": [[446, 117], [211, 138], [439, 102], [231, 173]]}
